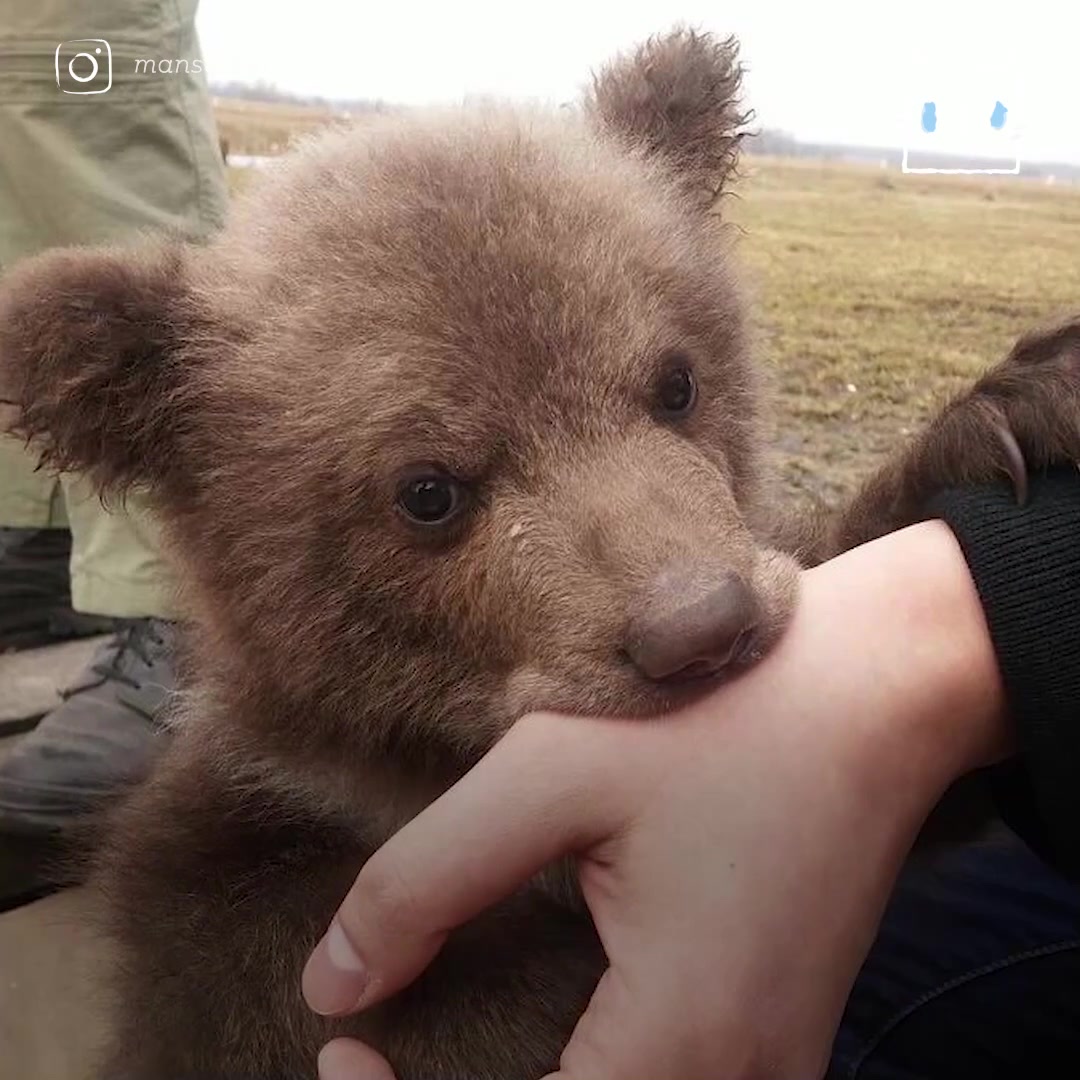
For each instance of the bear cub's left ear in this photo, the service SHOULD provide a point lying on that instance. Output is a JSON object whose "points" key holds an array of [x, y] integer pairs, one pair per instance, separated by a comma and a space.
{"points": [[91, 358]]}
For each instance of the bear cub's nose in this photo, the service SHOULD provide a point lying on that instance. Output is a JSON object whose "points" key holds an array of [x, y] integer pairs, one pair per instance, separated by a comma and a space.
{"points": [[689, 626]]}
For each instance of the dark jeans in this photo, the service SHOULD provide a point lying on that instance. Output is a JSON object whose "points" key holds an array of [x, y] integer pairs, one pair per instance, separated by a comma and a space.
{"points": [[975, 974]]}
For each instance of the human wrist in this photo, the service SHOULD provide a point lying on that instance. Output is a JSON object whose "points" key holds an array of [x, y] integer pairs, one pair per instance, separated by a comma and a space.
{"points": [[908, 600]]}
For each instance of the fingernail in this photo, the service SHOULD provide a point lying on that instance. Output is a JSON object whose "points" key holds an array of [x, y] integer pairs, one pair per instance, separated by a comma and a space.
{"points": [[335, 977], [334, 1063]]}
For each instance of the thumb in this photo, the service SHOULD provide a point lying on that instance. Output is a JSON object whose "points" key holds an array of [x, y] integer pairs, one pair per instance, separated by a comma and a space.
{"points": [[527, 802]]}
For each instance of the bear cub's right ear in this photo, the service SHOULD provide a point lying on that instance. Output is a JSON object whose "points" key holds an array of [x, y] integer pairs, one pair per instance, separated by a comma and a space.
{"points": [[91, 358]]}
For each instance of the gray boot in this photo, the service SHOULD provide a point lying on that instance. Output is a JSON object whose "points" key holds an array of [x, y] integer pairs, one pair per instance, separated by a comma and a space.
{"points": [[99, 741]]}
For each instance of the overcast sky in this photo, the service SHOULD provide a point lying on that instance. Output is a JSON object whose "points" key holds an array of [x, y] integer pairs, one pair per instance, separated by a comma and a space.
{"points": [[835, 70]]}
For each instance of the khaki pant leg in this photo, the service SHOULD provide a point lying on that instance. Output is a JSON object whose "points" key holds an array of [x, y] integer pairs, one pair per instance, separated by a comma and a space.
{"points": [[82, 168], [30, 498], [116, 563]]}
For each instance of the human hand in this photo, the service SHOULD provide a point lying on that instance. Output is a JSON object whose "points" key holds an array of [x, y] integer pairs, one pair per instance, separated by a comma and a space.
{"points": [[736, 857]]}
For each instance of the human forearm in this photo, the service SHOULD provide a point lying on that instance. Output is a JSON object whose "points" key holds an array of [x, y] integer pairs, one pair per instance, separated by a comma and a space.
{"points": [[905, 610]]}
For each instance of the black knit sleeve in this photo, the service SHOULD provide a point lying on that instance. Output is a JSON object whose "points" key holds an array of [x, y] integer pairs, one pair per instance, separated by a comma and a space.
{"points": [[1025, 562]]}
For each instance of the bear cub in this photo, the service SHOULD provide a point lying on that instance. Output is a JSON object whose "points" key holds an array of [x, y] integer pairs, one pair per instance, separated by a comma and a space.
{"points": [[458, 419]]}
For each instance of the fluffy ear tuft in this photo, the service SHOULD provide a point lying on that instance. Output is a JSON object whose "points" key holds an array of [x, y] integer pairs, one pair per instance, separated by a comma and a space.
{"points": [[89, 343], [677, 98]]}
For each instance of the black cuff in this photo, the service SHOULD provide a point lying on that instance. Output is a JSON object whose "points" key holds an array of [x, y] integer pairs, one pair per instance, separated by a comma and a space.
{"points": [[1025, 562]]}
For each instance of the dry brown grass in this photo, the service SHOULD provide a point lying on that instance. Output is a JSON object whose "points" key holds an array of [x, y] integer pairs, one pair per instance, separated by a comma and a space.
{"points": [[900, 287], [255, 127]]}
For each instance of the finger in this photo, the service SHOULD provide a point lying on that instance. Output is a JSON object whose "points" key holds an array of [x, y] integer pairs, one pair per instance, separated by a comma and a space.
{"points": [[346, 1059], [527, 802]]}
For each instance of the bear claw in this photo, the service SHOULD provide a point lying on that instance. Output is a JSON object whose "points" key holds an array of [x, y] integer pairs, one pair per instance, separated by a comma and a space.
{"points": [[1014, 462]]}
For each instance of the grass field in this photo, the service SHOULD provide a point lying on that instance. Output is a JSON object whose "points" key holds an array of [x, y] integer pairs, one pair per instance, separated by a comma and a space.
{"points": [[255, 127], [879, 294]]}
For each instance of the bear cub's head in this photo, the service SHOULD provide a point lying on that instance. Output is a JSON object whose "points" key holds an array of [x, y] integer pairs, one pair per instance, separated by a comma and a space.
{"points": [[456, 420]]}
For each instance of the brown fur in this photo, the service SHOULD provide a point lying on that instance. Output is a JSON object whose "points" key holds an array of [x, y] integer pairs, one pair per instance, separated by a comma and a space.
{"points": [[495, 292]]}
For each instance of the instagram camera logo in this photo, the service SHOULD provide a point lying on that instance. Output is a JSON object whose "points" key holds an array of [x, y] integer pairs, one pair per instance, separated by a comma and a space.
{"points": [[84, 66]]}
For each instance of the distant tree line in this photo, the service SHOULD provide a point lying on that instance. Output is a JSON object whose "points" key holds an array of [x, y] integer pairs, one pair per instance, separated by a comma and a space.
{"points": [[267, 92]]}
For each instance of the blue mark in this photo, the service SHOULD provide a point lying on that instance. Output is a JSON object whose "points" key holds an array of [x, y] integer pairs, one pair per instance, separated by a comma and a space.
{"points": [[929, 116], [997, 117]]}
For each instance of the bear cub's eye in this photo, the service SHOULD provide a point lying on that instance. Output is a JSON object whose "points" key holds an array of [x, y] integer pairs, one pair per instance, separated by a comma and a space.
{"points": [[432, 499], [676, 392]]}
